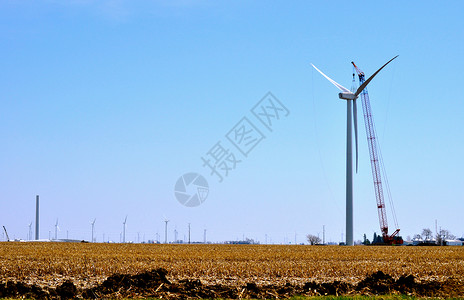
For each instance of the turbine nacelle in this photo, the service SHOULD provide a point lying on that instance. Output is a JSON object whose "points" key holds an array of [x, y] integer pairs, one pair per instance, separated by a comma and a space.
{"points": [[347, 96]]}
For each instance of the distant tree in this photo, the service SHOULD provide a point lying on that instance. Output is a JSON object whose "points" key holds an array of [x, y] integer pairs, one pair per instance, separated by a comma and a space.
{"points": [[443, 235], [448, 235], [377, 239], [426, 234], [313, 239], [366, 240], [417, 237]]}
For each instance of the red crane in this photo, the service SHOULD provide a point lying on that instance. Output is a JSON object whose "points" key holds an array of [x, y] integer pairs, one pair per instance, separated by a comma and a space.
{"points": [[377, 168]]}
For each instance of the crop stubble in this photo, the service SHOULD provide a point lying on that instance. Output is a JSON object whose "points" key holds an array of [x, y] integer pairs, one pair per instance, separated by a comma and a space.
{"points": [[89, 264]]}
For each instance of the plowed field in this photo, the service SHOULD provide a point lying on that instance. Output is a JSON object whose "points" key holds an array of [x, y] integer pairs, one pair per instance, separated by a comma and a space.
{"points": [[51, 270]]}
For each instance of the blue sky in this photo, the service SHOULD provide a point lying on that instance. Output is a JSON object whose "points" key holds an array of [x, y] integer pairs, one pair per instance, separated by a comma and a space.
{"points": [[105, 104]]}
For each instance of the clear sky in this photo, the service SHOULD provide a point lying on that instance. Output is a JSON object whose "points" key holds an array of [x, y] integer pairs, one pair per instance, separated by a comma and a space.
{"points": [[105, 104]]}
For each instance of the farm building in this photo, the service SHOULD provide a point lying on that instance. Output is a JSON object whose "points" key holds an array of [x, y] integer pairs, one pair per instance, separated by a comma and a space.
{"points": [[453, 242]]}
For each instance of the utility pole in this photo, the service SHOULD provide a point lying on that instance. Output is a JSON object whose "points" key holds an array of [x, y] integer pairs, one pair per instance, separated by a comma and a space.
{"points": [[441, 238], [204, 237], [189, 232], [323, 234]]}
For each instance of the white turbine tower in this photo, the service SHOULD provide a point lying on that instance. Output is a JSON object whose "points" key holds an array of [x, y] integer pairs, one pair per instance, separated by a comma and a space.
{"points": [[30, 232], [93, 226], [349, 96], [124, 230], [166, 221], [56, 229]]}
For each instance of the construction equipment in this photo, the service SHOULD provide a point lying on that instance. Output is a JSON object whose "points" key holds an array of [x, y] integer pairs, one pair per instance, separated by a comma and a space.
{"points": [[6, 233], [377, 167]]}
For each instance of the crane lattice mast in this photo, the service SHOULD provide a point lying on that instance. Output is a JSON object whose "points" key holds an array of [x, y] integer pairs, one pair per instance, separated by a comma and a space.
{"points": [[376, 163]]}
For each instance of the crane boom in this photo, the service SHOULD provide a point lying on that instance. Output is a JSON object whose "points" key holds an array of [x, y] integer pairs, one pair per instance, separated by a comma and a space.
{"points": [[376, 164], [7, 237]]}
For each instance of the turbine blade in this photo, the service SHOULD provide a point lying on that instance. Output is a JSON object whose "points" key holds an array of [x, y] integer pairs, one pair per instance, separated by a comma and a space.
{"points": [[355, 117], [342, 88], [361, 88]]}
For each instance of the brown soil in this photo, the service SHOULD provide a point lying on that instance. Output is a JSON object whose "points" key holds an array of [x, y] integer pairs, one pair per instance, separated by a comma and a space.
{"points": [[155, 284]]}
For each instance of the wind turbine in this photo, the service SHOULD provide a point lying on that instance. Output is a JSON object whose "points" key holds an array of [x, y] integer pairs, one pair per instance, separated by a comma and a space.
{"points": [[93, 225], [56, 229], [124, 230], [349, 96], [30, 232], [166, 221]]}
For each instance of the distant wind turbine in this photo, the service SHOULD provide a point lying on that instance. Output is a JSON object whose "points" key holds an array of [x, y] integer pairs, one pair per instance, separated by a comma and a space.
{"points": [[93, 226], [166, 221], [350, 96], [124, 230], [30, 232], [56, 229]]}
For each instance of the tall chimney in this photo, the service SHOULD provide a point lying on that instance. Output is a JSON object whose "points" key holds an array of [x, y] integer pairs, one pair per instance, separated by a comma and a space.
{"points": [[37, 217]]}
